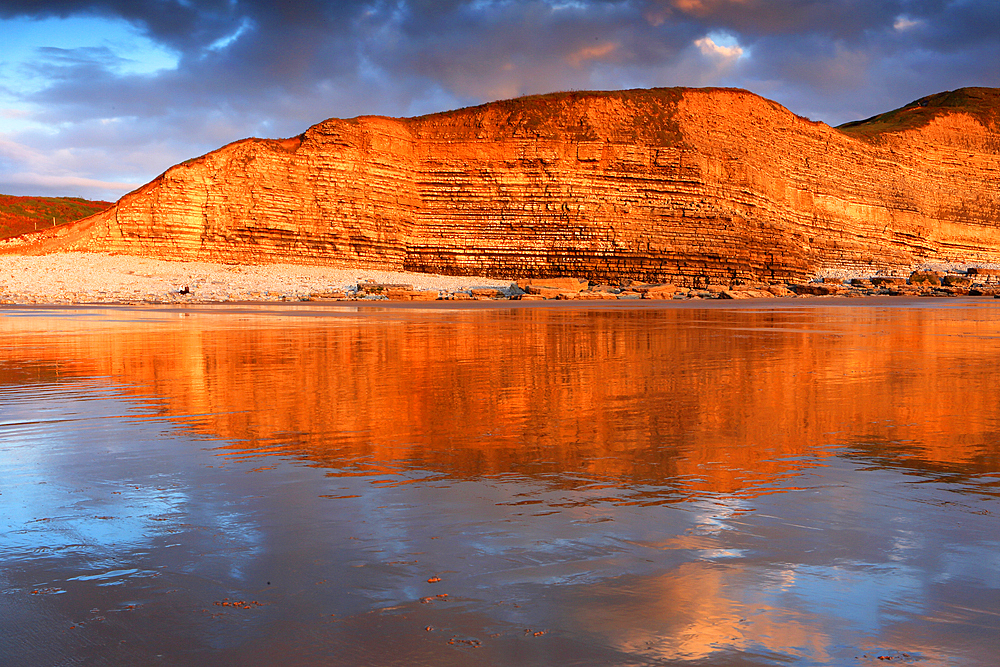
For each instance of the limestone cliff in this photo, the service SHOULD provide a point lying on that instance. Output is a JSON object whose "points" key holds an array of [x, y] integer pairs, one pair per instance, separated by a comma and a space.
{"points": [[683, 185]]}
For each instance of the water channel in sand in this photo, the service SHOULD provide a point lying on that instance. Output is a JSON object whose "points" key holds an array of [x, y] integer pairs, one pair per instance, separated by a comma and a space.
{"points": [[813, 483]]}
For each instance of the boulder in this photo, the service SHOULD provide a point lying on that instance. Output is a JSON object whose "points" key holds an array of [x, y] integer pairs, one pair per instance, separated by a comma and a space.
{"points": [[486, 293], [956, 281], [332, 294], [383, 288], [746, 294], [534, 285], [668, 288], [817, 289], [410, 295], [925, 278], [885, 281], [425, 295]]}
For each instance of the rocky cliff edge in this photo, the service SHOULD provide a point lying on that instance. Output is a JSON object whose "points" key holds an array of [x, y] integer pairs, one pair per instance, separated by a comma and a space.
{"points": [[691, 186]]}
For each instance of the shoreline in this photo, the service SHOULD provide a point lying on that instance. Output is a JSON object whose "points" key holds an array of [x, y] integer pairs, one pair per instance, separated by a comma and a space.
{"points": [[84, 278], [104, 278]]}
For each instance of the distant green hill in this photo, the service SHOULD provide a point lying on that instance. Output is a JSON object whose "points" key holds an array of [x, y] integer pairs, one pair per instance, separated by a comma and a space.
{"points": [[983, 104], [21, 215]]}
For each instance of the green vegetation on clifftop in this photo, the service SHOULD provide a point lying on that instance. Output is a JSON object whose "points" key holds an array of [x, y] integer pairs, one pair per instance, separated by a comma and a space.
{"points": [[983, 104], [21, 215]]}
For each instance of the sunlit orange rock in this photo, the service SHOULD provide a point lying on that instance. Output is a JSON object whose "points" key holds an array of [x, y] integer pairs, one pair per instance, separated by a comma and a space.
{"points": [[539, 285], [688, 186], [925, 278]]}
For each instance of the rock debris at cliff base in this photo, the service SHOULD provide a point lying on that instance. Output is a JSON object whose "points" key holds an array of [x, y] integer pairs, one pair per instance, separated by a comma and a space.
{"points": [[89, 278]]}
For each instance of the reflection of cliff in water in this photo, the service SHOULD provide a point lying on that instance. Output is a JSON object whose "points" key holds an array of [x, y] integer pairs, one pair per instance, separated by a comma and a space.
{"points": [[25, 372], [707, 400]]}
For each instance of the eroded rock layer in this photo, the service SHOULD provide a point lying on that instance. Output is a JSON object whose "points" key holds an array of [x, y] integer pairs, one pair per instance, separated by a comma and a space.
{"points": [[684, 185]]}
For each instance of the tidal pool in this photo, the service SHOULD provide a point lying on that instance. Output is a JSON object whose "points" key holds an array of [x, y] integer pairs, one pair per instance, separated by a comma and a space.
{"points": [[798, 482]]}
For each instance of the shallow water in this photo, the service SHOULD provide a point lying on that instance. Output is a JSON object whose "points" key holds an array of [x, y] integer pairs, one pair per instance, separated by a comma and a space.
{"points": [[804, 482]]}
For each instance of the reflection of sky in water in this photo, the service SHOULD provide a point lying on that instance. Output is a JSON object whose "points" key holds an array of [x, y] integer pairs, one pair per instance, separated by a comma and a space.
{"points": [[93, 501], [98, 479], [133, 527]]}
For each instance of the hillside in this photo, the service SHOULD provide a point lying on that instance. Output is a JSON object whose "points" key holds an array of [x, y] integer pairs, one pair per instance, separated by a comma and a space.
{"points": [[982, 104], [684, 185], [20, 215]]}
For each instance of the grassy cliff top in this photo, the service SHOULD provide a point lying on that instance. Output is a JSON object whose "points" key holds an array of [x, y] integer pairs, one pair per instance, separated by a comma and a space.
{"points": [[645, 115], [20, 215], [983, 104]]}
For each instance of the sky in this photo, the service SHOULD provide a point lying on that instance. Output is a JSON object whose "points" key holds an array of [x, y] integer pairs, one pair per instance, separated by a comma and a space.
{"points": [[98, 97]]}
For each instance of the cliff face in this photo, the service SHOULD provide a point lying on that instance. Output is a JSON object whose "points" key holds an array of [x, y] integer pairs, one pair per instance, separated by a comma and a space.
{"points": [[683, 185]]}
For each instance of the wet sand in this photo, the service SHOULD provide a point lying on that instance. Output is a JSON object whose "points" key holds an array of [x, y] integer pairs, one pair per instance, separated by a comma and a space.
{"points": [[585, 484]]}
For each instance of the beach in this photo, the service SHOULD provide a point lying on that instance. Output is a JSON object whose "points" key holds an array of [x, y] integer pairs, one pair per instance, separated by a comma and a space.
{"points": [[90, 278], [79, 277]]}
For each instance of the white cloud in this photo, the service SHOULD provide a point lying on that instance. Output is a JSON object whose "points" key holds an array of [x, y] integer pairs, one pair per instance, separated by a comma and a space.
{"points": [[904, 23], [221, 43], [15, 151], [708, 46], [589, 53], [35, 170]]}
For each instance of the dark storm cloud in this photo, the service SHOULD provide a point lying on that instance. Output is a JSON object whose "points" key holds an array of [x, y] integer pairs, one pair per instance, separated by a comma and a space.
{"points": [[179, 24], [250, 67], [841, 19], [474, 50]]}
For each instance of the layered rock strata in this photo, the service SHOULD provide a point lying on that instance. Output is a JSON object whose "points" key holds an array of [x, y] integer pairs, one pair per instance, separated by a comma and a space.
{"points": [[688, 186]]}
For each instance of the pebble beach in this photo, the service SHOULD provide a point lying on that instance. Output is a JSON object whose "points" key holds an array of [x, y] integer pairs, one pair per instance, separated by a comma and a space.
{"points": [[91, 278], [81, 278]]}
